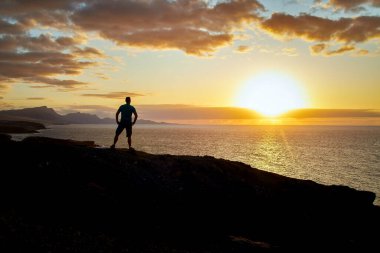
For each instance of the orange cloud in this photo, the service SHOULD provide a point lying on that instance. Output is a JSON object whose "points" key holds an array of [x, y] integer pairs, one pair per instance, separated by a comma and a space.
{"points": [[188, 112], [341, 50], [318, 48], [243, 49], [323, 49], [331, 113], [352, 5], [114, 95], [35, 98], [188, 25], [313, 28]]}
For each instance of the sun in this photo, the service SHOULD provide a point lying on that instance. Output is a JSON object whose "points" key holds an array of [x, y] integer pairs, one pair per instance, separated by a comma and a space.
{"points": [[271, 94]]}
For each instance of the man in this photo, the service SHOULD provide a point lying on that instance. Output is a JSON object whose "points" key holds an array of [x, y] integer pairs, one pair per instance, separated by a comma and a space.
{"points": [[126, 111]]}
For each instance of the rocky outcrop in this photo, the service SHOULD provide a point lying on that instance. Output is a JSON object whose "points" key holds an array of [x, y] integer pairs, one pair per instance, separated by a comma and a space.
{"points": [[18, 127], [68, 196]]}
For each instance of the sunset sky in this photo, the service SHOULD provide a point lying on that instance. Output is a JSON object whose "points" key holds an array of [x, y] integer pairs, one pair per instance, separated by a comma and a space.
{"points": [[193, 60]]}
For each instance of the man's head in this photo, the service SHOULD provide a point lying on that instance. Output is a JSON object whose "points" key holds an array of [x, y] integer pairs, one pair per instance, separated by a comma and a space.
{"points": [[128, 100]]}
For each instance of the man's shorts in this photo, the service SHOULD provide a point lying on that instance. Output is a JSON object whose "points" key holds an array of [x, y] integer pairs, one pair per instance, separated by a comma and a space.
{"points": [[127, 126]]}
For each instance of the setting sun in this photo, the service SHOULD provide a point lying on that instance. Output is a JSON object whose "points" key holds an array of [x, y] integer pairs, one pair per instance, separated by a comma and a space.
{"points": [[271, 94]]}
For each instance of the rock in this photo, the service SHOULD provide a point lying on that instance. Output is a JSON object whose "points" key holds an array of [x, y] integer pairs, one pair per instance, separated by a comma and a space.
{"points": [[18, 127], [118, 201]]}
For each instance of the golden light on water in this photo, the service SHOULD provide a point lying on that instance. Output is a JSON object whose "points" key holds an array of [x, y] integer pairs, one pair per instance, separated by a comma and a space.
{"points": [[271, 94]]}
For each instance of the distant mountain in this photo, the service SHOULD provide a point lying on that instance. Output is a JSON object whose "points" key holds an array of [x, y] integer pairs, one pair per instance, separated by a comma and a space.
{"points": [[48, 115], [86, 118], [38, 114]]}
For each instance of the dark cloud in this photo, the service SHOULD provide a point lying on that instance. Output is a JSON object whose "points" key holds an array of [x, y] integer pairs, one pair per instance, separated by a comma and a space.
{"points": [[9, 28], [38, 59], [114, 95], [56, 82], [188, 25], [39, 67], [192, 26], [312, 28], [315, 28], [193, 42], [88, 52]]}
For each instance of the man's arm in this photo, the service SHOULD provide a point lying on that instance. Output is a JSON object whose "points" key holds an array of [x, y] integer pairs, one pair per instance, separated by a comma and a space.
{"points": [[134, 120], [117, 116]]}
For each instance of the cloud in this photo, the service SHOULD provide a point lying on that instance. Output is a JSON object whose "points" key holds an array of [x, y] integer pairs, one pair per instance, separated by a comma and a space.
{"points": [[194, 42], [362, 52], [35, 98], [351, 5], [61, 83], [26, 58], [9, 28], [243, 49], [341, 50], [324, 49], [192, 26], [332, 113], [114, 95], [92, 107], [38, 67], [188, 112], [196, 27], [318, 48], [88, 52], [29, 58], [312, 28]]}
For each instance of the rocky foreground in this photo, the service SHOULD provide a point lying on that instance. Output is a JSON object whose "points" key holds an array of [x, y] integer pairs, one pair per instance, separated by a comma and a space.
{"points": [[67, 196]]}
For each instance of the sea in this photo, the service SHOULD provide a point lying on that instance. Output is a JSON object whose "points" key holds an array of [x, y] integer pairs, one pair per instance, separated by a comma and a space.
{"points": [[331, 155]]}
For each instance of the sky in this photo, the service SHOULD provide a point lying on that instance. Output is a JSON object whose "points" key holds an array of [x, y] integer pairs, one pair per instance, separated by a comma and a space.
{"points": [[195, 61]]}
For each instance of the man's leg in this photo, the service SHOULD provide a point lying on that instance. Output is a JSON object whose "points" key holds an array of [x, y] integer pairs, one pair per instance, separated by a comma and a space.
{"points": [[115, 139], [129, 135], [117, 133], [129, 141]]}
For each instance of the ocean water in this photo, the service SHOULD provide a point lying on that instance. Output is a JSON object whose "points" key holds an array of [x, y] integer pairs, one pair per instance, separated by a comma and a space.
{"points": [[339, 155]]}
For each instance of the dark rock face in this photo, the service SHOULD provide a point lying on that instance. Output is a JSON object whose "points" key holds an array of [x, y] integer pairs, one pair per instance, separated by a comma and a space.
{"points": [[67, 196], [20, 126]]}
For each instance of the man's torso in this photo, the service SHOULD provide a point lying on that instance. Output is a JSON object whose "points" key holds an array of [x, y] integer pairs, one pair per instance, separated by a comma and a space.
{"points": [[126, 113]]}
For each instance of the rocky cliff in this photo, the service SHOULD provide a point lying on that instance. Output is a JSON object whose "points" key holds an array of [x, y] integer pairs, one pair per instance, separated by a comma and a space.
{"points": [[67, 196]]}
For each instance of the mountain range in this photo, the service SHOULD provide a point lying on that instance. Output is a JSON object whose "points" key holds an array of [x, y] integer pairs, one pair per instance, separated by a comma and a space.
{"points": [[46, 115]]}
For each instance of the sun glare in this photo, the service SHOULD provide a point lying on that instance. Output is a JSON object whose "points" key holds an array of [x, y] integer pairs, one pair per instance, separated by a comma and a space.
{"points": [[271, 94]]}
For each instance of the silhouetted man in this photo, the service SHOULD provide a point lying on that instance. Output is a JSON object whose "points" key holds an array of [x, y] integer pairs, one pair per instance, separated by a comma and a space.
{"points": [[126, 111]]}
